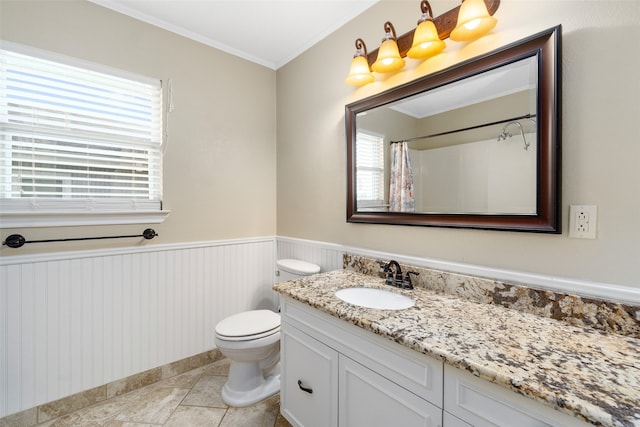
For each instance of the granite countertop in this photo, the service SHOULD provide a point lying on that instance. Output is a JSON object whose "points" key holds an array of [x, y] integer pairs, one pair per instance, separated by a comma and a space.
{"points": [[584, 372]]}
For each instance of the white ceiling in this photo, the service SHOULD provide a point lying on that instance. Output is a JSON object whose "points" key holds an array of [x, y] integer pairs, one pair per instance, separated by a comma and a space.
{"points": [[505, 80], [267, 32]]}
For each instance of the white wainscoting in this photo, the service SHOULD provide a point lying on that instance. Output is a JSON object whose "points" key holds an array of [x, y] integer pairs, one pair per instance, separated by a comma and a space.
{"points": [[73, 321]]}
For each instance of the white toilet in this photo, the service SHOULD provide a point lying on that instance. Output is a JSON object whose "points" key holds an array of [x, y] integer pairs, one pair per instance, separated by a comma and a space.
{"points": [[251, 340]]}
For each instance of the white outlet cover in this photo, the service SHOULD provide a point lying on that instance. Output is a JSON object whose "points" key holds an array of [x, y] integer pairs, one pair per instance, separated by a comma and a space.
{"points": [[583, 221]]}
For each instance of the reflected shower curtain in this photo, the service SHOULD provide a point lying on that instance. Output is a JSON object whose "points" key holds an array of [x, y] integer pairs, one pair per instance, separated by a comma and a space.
{"points": [[401, 198]]}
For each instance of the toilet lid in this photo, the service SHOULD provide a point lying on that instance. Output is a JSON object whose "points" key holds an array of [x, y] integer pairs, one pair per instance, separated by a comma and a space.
{"points": [[248, 323], [296, 266]]}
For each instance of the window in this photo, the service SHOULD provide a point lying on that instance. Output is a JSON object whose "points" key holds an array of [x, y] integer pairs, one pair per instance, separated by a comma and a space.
{"points": [[369, 170], [76, 140]]}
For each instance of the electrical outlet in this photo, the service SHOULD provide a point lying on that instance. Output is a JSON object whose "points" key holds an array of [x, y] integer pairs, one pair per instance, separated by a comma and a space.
{"points": [[582, 221]]}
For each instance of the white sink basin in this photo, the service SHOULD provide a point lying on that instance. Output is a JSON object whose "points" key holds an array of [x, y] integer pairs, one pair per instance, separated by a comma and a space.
{"points": [[375, 298]]}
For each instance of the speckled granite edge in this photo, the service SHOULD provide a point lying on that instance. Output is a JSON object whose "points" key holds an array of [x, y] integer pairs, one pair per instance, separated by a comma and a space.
{"points": [[606, 316]]}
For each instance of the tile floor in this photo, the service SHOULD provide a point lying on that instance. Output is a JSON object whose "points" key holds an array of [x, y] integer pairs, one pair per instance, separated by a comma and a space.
{"points": [[190, 399]]}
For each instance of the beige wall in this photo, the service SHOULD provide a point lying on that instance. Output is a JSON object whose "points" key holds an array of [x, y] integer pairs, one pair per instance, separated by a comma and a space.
{"points": [[219, 166], [601, 153]]}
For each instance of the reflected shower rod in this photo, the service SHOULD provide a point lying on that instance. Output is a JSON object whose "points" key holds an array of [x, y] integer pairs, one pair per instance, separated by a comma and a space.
{"points": [[417, 138]]}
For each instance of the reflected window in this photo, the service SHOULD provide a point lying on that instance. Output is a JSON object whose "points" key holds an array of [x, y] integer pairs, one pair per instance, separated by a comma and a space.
{"points": [[370, 170]]}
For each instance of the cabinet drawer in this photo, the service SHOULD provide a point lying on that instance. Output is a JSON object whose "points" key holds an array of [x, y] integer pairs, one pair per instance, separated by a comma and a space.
{"points": [[483, 404], [309, 375], [370, 400]]}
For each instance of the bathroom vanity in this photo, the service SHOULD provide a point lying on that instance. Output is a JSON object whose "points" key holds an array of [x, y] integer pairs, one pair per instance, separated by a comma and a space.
{"points": [[445, 362], [350, 377]]}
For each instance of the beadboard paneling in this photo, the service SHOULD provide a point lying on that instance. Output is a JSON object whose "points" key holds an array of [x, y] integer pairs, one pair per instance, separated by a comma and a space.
{"points": [[70, 322]]}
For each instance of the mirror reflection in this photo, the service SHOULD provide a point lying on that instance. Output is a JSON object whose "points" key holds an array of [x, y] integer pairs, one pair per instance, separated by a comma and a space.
{"points": [[469, 147]]}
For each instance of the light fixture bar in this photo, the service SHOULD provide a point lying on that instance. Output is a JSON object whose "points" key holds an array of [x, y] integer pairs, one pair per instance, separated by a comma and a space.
{"points": [[444, 23]]}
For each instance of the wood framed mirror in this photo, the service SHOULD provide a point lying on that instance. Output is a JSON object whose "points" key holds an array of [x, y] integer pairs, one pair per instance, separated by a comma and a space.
{"points": [[481, 140]]}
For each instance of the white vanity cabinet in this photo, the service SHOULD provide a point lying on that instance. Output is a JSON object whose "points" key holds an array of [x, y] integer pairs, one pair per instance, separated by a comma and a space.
{"points": [[351, 377], [480, 403]]}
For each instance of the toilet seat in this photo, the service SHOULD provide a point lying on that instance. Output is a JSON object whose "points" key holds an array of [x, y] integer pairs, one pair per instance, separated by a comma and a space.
{"points": [[248, 325]]}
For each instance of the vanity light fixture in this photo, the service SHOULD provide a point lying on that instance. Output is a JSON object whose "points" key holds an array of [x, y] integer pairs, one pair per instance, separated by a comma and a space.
{"points": [[474, 21], [469, 21], [359, 74], [426, 41], [389, 59]]}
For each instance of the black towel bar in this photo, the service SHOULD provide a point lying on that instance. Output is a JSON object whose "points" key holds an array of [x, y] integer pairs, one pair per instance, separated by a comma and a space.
{"points": [[17, 240]]}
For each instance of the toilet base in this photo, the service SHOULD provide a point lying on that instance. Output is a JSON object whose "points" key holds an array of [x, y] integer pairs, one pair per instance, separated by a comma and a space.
{"points": [[268, 388], [247, 385]]}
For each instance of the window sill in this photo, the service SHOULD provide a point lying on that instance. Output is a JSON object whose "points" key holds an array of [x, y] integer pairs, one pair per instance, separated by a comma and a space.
{"points": [[66, 219]]}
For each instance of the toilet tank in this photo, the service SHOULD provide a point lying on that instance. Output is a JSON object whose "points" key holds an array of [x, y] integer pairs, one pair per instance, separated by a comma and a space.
{"points": [[290, 269]]}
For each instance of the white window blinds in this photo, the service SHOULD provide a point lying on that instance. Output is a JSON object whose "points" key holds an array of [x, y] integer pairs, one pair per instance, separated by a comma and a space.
{"points": [[77, 139], [369, 169]]}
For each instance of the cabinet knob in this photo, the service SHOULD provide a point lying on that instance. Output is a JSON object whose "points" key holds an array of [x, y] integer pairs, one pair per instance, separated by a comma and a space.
{"points": [[305, 389]]}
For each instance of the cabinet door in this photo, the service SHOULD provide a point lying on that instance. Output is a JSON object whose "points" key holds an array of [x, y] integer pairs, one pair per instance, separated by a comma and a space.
{"points": [[370, 400], [309, 380]]}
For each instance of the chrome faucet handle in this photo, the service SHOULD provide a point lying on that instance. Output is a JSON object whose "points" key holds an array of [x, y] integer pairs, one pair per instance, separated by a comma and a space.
{"points": [[406, 284]]}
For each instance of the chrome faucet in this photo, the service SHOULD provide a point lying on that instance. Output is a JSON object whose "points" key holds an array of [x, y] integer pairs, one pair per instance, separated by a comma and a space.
{"points": [[395, 278]]}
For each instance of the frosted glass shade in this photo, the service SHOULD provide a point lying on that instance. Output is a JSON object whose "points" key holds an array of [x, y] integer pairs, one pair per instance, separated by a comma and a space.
{"points": [[474, 21], [359, 74], [426, 42], [389, 59]]}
